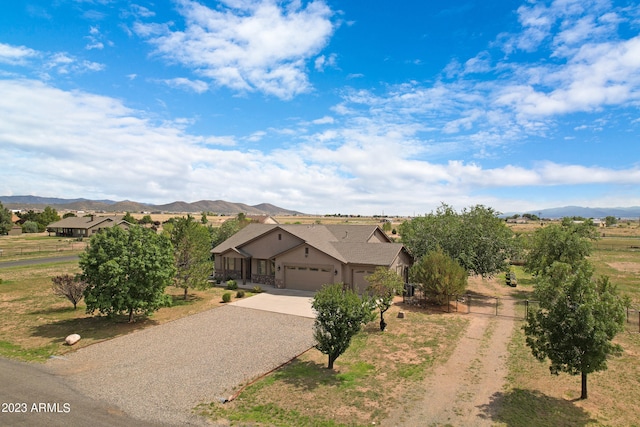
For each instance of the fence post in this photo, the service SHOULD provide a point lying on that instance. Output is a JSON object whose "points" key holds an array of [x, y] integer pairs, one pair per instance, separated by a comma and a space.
{"points": [[468, 303], [497, 299], [526, 308], [448, 304]]}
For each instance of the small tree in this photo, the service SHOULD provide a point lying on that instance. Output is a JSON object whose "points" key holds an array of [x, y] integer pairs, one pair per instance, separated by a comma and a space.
{"points": [[191, 249], [439, 275], [5, 220], [30, 227], [384, 285], [69, 287], [127, 271], [576, 321], [340, 316]]}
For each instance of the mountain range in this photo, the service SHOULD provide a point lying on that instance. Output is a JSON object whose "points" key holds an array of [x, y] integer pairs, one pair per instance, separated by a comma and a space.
{"points": [[230, 208], [214, 206]]}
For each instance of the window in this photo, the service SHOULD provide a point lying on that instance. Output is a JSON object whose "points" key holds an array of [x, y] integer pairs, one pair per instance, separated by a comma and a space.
{"points": [[279, 236], [262, 266]]}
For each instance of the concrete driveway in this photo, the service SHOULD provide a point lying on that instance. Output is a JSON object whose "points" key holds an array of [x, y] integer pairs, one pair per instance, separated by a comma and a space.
{"points": [[159, 374], [285, 301]]}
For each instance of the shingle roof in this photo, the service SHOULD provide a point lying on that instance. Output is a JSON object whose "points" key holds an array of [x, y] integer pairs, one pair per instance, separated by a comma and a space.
{"points": [[83, 221], [243, 236], [346, 243]]}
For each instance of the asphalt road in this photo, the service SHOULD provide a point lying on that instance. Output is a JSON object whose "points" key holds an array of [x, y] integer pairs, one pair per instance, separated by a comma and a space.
{"points": [[35, 261], [31, 396]]}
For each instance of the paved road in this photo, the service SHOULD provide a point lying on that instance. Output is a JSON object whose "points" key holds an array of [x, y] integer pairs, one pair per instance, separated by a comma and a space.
{"points": [[35, 261], [25, 385]]}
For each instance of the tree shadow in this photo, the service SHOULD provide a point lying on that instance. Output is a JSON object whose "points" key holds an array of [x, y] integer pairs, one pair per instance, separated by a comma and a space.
{"points": [[178, 300], [307, 375], [56, 310], [520, 407], [93, 327]]}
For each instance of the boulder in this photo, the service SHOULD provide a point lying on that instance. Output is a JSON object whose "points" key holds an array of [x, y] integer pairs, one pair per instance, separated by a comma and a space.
{"points": [[72, 339]]}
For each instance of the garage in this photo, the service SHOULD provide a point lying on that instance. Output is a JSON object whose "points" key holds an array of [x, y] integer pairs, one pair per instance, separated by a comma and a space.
{"points": [[307, 277]]}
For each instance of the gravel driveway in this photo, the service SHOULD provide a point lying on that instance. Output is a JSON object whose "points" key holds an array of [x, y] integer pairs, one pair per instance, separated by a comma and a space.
{"points": [[159, 374]]}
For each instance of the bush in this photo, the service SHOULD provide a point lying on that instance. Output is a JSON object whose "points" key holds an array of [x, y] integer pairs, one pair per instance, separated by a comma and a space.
{"points": [[240, 294], [232, 285], [257, 290], [226, 297]]}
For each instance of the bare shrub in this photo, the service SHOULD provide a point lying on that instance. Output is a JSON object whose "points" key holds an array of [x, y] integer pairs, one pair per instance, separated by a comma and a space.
{"points": [[69, 287]]}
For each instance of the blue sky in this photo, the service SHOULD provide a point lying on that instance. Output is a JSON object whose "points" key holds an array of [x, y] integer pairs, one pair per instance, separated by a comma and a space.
{"points": [[323, 106]]}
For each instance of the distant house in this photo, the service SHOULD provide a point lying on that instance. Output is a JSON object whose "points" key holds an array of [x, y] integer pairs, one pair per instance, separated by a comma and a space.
{"points": [[262, 219], [300, 256], [85, 226]]}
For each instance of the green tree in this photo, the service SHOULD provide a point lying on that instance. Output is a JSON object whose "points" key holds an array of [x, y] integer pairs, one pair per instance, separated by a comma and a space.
{"points": [[5, 220], [30, 227], [476, 238], [576, 321], [203, 218], [610, 220], [341, 313], [568, 242], [228, 229], [192, 252], [127, 271], [47, 216], [146, 220], [69, 215], [438, 275], [384, 285], [129, 218], [69, 287]]}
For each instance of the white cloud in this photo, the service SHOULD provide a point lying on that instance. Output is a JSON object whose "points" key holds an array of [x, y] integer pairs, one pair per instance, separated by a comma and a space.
{"points": [[101, 148], [15, 55], [323, 62], [197, 86], [247, 45], [323, 120]]}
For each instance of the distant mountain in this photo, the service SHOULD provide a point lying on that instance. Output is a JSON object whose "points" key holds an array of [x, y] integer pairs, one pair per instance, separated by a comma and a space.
{"points": [[571, 211], [217, 206]]}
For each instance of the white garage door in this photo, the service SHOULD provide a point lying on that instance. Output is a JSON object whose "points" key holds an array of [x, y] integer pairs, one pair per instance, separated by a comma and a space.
{"points": [[308, 277]]}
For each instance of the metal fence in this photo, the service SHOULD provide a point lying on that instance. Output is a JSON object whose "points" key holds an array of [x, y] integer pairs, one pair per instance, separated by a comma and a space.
{"points": [[467, 303], [41, 248]]}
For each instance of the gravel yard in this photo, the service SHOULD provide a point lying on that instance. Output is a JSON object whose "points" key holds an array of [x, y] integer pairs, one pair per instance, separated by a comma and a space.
{"points": [[159, 374]]}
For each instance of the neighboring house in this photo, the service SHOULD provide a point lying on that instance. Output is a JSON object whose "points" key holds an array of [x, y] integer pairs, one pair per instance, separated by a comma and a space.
{"points": [[85, 226], [298, 256], [262, 219]]}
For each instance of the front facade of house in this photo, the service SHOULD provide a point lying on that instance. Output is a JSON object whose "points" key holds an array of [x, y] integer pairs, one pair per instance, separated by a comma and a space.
{"points": [[308, 256], [86, 226]]}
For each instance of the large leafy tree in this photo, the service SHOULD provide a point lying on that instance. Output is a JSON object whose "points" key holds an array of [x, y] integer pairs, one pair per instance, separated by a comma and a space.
{"points": [[384, 285], [341, 313], [576, 321], [438, 276], [192, 252], [127, 271], [568, 242], [476, 238], [5, 220]]}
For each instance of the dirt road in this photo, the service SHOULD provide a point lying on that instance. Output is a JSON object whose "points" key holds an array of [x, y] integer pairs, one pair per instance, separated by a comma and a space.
{"points": [[458, 393]]}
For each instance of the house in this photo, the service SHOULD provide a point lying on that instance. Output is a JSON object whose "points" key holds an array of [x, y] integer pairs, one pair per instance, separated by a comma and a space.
{"points": [[301, 256], [85, 226]]}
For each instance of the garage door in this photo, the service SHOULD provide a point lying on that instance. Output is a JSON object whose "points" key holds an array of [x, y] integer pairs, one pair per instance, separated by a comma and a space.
{"points": [[308, 277]]}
